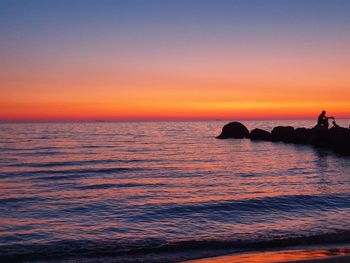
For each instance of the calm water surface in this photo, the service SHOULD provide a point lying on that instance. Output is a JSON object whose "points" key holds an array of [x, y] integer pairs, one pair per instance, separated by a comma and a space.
{"points": [[82, 188]]}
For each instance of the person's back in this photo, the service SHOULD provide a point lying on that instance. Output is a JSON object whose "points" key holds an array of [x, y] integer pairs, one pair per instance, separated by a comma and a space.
{"points": [[321, 121]]}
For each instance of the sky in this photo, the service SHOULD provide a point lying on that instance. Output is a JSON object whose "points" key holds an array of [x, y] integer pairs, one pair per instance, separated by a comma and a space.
{"points": [[173, 59]]}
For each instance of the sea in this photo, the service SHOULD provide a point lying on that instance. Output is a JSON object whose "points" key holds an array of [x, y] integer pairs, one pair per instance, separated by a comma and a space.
{"points": [[163, 192]]}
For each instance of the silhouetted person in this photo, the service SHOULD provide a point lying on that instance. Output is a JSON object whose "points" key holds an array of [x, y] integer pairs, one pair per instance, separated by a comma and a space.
{"points": [[323, 120]]}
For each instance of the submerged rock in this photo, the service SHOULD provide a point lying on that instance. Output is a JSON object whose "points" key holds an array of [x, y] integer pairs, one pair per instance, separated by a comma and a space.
{"points": [[234, 130], [260, 135]]}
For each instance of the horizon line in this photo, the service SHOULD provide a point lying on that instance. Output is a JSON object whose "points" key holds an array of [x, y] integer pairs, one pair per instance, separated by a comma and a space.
{"points": [[58, 120]]}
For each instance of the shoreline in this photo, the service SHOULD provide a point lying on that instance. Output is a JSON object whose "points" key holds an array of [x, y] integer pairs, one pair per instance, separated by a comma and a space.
{"points": [[331, 259], [326, 254]]}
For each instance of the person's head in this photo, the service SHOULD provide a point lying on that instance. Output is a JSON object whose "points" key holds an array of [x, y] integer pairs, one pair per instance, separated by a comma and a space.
{"points": [[323, 112]]}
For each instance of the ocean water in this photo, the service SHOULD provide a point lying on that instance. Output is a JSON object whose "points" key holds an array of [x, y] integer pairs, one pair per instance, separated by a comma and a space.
{"points": [[163, 191]]}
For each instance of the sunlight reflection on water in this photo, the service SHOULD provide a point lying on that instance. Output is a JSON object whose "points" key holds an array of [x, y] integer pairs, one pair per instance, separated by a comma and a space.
{"points": [[166, 180]]}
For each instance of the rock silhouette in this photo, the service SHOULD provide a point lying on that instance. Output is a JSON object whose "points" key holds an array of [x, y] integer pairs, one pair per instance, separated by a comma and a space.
{"points": [[320, 136], [282, 133], [234, 130], [337, 138], [260, 135]]}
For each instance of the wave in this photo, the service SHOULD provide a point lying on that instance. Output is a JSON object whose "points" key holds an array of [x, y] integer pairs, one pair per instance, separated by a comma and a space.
{"points": [[157, 250], [96, 146], [75, 163], [107, 186], [276, 204], [69, 172], [6, 201]]}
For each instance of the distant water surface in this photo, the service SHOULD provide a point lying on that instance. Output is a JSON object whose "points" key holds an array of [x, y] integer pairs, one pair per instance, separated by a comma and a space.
{"points": [[78, 189]]}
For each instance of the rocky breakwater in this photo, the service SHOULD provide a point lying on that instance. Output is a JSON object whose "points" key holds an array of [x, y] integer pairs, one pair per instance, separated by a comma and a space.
{"points": [[336, 138]]}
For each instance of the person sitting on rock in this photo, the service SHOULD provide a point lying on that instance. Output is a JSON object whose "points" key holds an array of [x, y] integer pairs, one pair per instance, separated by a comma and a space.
{"points": [[323, 120]]}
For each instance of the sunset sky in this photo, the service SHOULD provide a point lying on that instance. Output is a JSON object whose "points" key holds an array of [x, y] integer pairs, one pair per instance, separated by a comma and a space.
{"points": [[173, 59]]}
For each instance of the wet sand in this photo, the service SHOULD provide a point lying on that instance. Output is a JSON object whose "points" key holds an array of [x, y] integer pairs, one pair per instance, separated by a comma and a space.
{"points": [[335, 259], [328, 255]]}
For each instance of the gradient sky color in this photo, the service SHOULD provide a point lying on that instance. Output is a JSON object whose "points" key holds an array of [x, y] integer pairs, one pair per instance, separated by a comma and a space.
{"points": [[173, 59]]}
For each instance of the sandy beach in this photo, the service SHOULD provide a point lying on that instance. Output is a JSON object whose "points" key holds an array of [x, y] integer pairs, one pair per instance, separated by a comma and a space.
{"points": [[324, 255]]}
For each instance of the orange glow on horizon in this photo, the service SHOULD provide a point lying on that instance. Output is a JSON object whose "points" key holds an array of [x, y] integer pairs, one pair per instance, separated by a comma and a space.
{"points": [[164, 110], [281, 85], [209, 65], [90, 95]]}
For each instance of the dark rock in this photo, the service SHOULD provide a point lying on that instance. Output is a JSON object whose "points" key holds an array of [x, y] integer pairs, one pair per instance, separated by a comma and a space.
{"points": [[339, 131], [340, 140], [337, 138], [320, 136], [260, 135], [301, 136], [234, 130], [341, 146], [282, 133]]}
